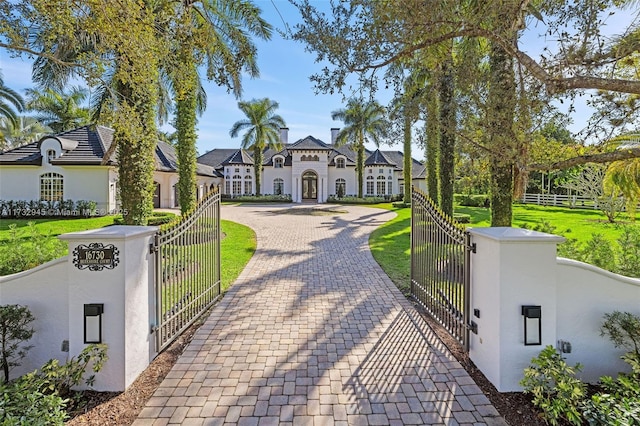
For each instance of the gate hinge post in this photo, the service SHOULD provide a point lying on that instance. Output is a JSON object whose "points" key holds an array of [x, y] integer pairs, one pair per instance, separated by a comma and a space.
{"points": [[153, 247]]}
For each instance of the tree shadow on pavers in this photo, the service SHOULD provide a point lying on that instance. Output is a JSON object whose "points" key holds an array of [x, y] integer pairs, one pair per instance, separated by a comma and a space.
{"points": [[410, 366], [342, 316], [332, 314]]}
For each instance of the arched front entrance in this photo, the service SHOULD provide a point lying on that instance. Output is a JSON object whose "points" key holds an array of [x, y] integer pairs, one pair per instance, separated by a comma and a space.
{"points": [[156, 196], [309, 186]]}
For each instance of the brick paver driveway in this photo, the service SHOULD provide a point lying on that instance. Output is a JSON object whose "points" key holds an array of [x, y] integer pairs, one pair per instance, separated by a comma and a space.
{"points": [[314, 333]]}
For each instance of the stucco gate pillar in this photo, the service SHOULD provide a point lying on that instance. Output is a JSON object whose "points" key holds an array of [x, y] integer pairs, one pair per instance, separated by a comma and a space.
{"points": [[511, 268], [112, 268]]}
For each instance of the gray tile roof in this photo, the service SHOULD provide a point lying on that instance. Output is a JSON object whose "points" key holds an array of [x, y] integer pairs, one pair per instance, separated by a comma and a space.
{"points": [[240, 156], [167, 161], [85, 145], [377, 158], [309, 143], [88, 145], [218, 158]]}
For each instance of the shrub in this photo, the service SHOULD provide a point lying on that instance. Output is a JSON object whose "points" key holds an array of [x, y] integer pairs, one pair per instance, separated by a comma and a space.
{"points": [[156, 219], [351, 199], [623, 329], [555, 389], [469, 200], [27, 248], [39, 398], [22, 403], [619, 400], [629, 249], [599, 251], [282, 198], [462, 218], [15, 329]]}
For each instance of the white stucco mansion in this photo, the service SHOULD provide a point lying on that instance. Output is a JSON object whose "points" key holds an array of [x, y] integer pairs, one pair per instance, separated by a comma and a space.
{"points": [[79, 165], [311, 170]]}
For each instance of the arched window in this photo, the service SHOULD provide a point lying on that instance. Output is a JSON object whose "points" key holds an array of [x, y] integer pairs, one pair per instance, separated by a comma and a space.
{"points": [[369, 185], [227, 186], [247, 185], [389, 185], [341, 187], [316, 158], [236, 185], [303, 158], [278, 162], [340, 164], [278, 186], [51, 187], [381, 185]]}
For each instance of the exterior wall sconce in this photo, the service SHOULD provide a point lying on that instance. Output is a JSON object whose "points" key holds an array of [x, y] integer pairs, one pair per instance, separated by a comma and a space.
{"points": [[93, 322], [532, 324]]}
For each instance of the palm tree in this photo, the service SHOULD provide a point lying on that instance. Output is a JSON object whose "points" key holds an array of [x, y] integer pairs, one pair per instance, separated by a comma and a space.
{"points": [[364, 122], [11, 103], [218, 33], [28, 130], [60, 110], [624, 175], [262, 127]]}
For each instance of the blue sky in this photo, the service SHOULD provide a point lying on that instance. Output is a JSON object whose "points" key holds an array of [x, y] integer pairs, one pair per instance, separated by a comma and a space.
{"points": [[285, 68]]}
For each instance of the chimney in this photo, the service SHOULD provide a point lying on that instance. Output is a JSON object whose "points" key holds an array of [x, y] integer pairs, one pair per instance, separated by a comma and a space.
{"points": [[334, 134], [284, 135]]}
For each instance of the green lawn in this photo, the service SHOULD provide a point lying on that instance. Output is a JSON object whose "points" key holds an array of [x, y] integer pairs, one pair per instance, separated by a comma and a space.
{"points": [[580, 224], [237, 247], [390, 246], [390, 243], [54, 227]]}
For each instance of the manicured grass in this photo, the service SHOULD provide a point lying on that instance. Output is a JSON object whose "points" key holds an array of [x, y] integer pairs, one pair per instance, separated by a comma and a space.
{"points": [[390, 243], [54, 227], [236, 249], [579, 224]]}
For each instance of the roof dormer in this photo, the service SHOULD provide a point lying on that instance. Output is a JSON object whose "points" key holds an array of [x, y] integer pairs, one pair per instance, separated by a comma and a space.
{"points": [[52, 147]]}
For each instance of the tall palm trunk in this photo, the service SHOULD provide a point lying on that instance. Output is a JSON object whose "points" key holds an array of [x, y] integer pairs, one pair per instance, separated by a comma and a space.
{"points": [[447, 136], [432, 145], [258, 158], [186, 104], [407, 172], [502, 101], [360, 165], [135, 135]]}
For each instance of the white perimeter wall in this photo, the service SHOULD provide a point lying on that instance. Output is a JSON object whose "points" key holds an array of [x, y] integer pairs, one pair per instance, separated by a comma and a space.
{"points": [[57, 292], [585, 293], [515, 267], [44, 291]]}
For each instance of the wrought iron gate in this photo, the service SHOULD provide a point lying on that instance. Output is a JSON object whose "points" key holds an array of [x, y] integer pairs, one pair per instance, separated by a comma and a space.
{"points": [[440, 266], [187, 268]]}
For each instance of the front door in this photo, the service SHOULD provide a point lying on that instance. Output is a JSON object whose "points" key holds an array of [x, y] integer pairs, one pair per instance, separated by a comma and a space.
{"points": [[309, 186]]}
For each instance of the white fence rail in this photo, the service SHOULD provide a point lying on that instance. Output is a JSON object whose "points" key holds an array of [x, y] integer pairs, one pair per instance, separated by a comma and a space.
{"points": [[560, 200]]}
